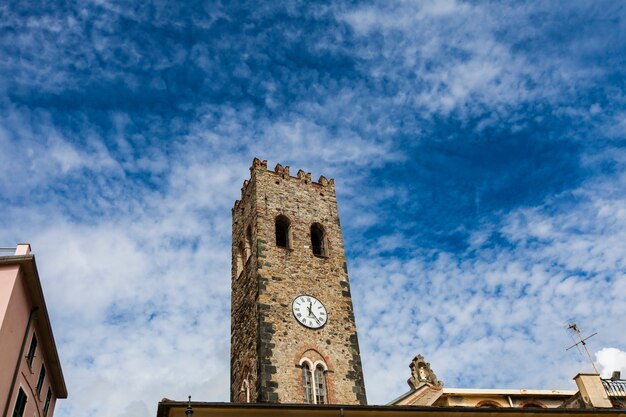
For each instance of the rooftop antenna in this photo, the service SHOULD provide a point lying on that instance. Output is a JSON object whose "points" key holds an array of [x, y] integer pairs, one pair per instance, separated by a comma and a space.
{"points": [[574, 328]]}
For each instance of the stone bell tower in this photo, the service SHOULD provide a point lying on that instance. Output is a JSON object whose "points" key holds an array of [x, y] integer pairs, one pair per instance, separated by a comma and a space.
{"points": [[293, 335]]}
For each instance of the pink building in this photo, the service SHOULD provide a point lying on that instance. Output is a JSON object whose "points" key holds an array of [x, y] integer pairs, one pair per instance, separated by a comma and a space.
{"points": [[31, 379]]}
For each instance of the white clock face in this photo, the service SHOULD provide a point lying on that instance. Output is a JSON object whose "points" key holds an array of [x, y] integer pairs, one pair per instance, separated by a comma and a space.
{"points": [[309, 311]]}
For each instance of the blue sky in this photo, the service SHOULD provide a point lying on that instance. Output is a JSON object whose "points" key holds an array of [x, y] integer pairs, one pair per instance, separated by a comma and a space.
{"points": [[478, 151]]}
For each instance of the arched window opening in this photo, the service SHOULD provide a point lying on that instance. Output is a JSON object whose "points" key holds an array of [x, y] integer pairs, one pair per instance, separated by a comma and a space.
{"points": [[283, 231], [307, 383], [320, 385], [314, 383], [245, 390], [248, 247], [318, 240], [239, 258]]}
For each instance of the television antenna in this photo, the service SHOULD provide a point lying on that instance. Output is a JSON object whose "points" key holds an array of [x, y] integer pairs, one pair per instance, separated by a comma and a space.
{"points": [[575, 329]]}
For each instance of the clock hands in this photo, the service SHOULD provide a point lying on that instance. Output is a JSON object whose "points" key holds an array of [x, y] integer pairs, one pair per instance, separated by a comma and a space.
{"points": [[313, 314]]}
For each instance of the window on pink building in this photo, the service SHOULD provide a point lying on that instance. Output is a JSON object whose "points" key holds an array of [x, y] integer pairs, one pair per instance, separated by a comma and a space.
{"points": [[47, 404], [31, 351], [20, 404], [42, 375]]}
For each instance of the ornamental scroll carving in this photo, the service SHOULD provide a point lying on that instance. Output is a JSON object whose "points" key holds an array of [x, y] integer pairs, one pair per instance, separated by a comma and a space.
{"points": [[421, 373]]}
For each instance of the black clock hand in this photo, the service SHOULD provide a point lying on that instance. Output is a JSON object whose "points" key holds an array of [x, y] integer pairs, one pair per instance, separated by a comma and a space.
{"points": [[315, 317], [313, 314]]}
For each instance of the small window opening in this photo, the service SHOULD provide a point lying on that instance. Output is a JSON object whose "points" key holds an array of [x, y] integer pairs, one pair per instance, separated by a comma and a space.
{"points": [[248, 243], [20, 403], [31, 351], [307, 383], [47, 404], [239, 258], [245, 390], [283, 230], [318, 240], [320, 385], [42, 376]]}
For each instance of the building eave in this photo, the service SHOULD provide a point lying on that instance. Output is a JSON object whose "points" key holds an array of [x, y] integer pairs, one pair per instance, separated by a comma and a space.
{"points": [[514, 392], [35, 292], [167, 408]]}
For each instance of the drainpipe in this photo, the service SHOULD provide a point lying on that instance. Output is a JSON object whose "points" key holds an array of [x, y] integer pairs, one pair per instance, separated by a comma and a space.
{"points": [[19, 361], [510, 401]]}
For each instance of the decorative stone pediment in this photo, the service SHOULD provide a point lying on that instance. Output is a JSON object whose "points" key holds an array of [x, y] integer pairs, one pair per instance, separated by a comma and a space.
{"points": [[421, 373]]}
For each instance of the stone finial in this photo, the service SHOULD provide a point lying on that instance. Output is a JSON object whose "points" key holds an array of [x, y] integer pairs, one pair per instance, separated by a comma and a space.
{"points": [[421, 373], [323, 181]]}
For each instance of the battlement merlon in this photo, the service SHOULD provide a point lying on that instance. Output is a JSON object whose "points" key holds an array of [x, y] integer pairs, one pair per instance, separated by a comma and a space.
{"points": [[260, 166]]}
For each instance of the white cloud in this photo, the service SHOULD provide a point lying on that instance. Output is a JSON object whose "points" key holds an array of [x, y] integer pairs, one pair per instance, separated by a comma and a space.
{"points": [[463, 60], [611, 360]]}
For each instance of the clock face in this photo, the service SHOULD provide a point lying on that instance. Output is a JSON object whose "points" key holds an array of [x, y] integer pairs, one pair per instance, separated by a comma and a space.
{"points": [[309, 311]]}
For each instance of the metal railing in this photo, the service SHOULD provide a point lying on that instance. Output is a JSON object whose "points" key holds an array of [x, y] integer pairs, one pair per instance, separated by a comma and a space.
{"points": [[615, 388]]}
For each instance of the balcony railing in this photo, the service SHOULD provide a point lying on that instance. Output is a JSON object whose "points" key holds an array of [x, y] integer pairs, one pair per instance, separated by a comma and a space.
{"points": [[615, 387]]}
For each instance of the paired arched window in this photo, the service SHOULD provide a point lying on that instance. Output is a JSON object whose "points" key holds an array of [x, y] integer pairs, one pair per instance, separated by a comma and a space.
{"points": [[314, 383], [283, 232], [318, 240]]}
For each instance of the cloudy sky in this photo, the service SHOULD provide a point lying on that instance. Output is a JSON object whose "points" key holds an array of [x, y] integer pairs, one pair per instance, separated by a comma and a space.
{"points": [[478, 151]]}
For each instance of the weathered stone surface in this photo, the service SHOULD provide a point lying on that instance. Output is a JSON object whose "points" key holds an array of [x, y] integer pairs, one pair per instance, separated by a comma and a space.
{"points": [[267, 342]]}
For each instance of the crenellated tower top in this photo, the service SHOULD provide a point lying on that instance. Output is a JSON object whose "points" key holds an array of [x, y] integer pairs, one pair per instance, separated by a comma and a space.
{"points": [[282, 172]]}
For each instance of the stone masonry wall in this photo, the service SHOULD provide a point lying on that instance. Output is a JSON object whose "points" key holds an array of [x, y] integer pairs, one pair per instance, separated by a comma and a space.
{"points": [[244, 312], [282, 275]]}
